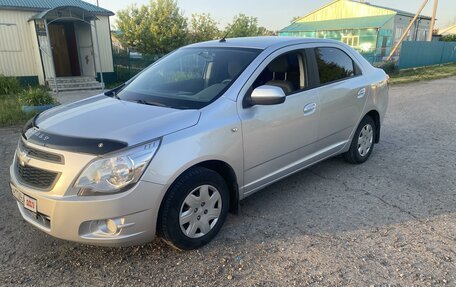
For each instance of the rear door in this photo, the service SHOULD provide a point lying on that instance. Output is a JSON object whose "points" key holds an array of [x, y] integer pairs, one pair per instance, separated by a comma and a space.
{"points": [[342, 91]]}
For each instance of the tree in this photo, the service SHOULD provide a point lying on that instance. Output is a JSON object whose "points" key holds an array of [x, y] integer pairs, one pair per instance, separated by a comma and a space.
{"points": [[157, 28], [203, 28], [295, 18], [262, 31], [246, 26]]}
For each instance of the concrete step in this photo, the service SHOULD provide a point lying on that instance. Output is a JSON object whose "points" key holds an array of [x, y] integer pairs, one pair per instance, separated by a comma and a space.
{"points": [[74, 83], [71, 79], [70, 85], [76, 87], [64, 89]]}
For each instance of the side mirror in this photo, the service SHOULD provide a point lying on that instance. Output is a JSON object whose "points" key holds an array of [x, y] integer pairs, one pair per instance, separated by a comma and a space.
{"points": [[267, 95]]}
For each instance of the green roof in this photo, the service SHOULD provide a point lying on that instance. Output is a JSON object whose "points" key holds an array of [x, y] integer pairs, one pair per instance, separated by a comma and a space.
{"points": [[339, 24], [40, 5]]}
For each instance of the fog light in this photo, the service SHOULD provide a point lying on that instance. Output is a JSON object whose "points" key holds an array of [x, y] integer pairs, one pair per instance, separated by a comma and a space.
{"points": [[111, 225]]}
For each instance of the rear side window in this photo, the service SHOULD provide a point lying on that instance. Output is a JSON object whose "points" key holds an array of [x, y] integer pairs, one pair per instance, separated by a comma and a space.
{"points": [[333, 65]]}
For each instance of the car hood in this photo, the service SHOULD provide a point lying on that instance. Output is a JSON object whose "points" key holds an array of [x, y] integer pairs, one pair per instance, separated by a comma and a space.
{"points": [[103, 117]]}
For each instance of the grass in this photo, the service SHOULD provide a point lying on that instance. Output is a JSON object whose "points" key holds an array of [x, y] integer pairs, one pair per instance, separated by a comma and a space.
{"points": [[10, 111], [423, 74]]}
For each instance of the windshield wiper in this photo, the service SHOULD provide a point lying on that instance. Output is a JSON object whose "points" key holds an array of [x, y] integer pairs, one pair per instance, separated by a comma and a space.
{"points": [[149, 103], [113, 93]]}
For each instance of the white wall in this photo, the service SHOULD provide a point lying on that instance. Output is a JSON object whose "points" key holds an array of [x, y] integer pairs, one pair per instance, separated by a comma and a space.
{"points": [[20, 54], [18, 47], [400, 24]]}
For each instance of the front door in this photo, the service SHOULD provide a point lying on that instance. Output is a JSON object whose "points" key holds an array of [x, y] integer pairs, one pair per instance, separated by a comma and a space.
{"points": [[64, 49], [85, 47], [278, 138]]}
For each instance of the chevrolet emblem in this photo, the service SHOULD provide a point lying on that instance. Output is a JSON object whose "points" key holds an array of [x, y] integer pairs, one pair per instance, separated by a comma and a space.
{"points": [[23, 158]]}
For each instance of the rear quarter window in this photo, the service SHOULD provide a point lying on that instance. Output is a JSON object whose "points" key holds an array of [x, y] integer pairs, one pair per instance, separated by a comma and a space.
{"points": [[334, 65]]}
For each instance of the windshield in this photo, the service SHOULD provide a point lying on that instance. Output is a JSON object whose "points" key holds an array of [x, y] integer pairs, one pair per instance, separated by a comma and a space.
{"points": [[189, 78]]}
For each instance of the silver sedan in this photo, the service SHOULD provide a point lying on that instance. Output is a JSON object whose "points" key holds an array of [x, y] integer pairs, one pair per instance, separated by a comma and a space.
{"points": [[174, 149]]}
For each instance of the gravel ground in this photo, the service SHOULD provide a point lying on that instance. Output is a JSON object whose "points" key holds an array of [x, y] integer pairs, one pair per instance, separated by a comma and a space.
{"points": [[390, 221]]}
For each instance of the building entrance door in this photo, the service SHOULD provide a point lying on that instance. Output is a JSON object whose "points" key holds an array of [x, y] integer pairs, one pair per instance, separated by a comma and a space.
{"points": [[64, 49]]}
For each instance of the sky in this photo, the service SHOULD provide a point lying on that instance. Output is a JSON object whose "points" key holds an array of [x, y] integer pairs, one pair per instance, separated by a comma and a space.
{"points": [[276, 14]]}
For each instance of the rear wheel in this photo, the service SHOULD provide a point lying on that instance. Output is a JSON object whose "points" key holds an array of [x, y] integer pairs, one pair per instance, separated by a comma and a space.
{"points": [[362, 142], [194, 209]]}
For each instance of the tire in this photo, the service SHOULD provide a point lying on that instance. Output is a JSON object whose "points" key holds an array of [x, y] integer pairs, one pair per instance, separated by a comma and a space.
{"points": [[199, 196], [363, 142]]}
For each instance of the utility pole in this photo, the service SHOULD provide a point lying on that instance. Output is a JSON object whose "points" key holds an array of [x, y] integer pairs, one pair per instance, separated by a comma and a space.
{"points": [[431, 28], [407, 30]]}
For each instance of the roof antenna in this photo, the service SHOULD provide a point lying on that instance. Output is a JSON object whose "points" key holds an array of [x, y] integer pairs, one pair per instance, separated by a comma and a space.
{"points": [[223, 40]]}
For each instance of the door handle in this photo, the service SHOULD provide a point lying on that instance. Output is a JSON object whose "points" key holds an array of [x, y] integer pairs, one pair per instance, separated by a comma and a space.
{"points": [[310, 109], [361, 93]]}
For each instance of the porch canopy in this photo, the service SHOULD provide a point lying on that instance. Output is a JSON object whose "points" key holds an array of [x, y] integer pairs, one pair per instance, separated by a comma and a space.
{"points": [[66, 13]]}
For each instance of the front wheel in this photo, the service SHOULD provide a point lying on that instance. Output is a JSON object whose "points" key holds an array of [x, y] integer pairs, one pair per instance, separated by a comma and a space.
{"points": [[194, 209], [363, 142]]}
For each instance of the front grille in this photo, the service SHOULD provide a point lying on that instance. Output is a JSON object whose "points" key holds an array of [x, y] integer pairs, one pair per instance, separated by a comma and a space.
{"points": [[36, 177], [39, 154]]}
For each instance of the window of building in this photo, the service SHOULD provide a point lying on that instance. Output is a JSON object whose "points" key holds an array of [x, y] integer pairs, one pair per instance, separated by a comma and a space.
{"points": [[351, 40], [333, 65], [398, 34], [10, 40]]}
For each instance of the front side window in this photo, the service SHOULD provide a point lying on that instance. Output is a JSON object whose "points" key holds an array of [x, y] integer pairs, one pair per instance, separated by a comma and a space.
{"points": [[285, 71], [333, 65], [189, 78]]}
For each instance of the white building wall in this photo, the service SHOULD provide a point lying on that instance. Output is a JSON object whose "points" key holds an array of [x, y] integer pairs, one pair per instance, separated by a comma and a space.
{"points": [[18, 45], [400, 24], [20, 52]]}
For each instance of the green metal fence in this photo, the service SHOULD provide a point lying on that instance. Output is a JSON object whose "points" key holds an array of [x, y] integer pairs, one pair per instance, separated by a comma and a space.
{"points": [[127, 65], [419, 53]]}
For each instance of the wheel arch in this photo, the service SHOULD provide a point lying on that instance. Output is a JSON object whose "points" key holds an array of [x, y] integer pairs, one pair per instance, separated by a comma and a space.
{"points": [[228, 174], [226, 171], [374, 114]]}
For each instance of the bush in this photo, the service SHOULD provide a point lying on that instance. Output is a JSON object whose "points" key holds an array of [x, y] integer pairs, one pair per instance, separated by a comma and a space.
{"points": [[36, 97], [448, 38], [390, 67], [9, 85]]}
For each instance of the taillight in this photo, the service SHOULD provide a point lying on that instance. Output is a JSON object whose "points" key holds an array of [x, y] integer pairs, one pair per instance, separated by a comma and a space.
{"points": [[387, 77]]}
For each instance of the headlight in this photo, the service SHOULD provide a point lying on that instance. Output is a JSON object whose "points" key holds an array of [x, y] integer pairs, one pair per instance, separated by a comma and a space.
{"points": [[116, 173]]}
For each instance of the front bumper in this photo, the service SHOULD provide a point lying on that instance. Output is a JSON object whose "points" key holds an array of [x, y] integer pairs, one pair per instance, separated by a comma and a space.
{"points": [[83, 218]]}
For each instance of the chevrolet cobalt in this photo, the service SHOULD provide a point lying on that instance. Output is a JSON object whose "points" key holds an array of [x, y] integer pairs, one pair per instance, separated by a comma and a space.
{"points": [[174, 149]]}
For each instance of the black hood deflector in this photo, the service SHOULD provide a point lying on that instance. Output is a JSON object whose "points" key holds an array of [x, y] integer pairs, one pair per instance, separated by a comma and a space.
{"points": [[33, 134]]}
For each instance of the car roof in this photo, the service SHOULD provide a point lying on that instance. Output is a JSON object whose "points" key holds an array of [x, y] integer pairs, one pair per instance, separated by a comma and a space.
{"points": [[262, 42]]}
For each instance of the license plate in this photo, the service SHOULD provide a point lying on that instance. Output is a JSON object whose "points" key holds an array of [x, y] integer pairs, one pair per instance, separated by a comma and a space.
{"points": [[27, 201]]}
